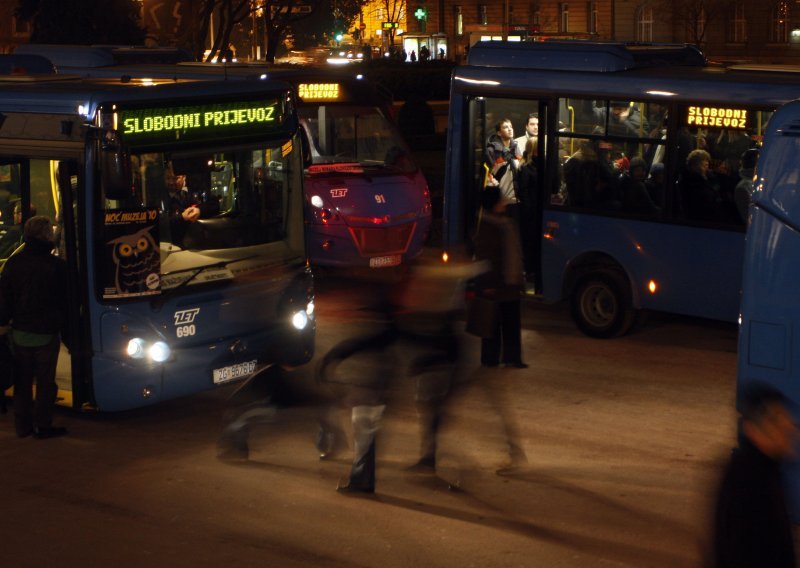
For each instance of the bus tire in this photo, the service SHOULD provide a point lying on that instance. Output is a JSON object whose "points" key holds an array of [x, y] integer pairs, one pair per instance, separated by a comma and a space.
{"points": [[601, 305]]}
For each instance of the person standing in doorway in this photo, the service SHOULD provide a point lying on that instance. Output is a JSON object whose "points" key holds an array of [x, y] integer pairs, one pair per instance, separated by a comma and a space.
{"points": [[33, 301]]}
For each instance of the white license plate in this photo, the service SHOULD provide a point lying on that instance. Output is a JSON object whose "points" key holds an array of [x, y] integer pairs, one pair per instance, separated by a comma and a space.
{"points": [[381, 261], [237, 371]]}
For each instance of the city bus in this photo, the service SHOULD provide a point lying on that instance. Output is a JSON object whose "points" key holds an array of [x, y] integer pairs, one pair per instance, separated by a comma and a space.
{"points": [[616, 214], [163, 304], [770, 309], [367, 202]]}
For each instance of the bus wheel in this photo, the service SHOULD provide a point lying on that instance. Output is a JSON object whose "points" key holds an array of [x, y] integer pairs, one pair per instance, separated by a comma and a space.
{"points": [[601, 305]]}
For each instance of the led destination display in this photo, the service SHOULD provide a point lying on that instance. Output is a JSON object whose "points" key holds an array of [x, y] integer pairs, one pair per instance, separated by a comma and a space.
{"points": [[717, 117], [199, 122]]}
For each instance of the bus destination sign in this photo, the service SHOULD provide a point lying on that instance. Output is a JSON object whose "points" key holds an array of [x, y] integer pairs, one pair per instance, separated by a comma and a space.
{"points": [[198, 122], [717, 117], [313, 92]]}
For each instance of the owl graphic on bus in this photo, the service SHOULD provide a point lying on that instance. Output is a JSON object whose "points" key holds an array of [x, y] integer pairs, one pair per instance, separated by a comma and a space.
{"points": [[137, 262]]}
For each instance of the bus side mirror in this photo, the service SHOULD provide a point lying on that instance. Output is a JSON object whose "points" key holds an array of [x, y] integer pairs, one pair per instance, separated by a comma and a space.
{"points": [[306, 147], [115, 174]]}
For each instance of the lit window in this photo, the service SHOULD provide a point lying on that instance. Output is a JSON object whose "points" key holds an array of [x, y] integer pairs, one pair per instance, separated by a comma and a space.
{"points": [[483, 15], [459, 18], [563, 17], [779, 30], [644, 23]]}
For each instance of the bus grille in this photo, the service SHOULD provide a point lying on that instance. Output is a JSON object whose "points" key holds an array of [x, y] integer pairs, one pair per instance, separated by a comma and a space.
{"points": [[373, 241]]}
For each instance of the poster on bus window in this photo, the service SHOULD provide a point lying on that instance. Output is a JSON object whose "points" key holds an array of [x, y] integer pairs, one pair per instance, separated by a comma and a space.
{"points": [[132, 258]]}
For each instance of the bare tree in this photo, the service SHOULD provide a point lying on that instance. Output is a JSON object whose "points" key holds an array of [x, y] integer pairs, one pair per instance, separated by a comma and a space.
{"points": [[394, 11], [693, 15]]}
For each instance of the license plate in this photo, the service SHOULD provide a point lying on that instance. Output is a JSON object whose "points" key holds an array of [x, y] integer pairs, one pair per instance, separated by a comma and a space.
{"points": [[381, 261], [232, 372]]}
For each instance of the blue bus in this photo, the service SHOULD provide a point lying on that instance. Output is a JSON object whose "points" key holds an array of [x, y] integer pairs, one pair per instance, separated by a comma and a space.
{"points": [[770, 307], [368, 204], [163, 303], [634, 154]]}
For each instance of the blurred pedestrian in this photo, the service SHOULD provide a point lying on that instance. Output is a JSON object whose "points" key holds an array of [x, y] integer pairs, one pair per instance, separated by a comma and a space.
{"points": [[498, 243], [429, 304], [365, 380], [254, 402], [751, 523], [33, 301]]}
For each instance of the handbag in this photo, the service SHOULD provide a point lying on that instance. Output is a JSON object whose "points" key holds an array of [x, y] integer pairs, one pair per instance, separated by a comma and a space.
{"points": [[483, 317]]}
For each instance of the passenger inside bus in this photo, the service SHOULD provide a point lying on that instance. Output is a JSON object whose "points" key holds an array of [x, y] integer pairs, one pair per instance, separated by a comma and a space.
{"points": [[635, 197], [11, 236]]}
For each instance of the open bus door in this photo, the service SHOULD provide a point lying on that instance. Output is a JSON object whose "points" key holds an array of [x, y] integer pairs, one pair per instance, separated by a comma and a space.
{"points": [[73, 367], [483, 115]]}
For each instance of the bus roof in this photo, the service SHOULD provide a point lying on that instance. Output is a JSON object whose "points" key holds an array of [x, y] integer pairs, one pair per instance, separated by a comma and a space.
{"points": [[357, 88], [577, 55], [83, 56], [66, 94], [518, 72]]}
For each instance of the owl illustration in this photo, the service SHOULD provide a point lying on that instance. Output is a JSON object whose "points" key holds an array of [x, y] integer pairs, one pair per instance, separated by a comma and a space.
{"points": [[137, 262]]}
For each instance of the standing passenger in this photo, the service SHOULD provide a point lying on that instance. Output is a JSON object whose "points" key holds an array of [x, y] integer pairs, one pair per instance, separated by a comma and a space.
{"points": [[33, 300]]}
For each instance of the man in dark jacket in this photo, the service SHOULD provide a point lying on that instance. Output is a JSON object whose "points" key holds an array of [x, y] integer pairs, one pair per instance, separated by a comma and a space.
{"points": [[33, 300], [751, 523]]}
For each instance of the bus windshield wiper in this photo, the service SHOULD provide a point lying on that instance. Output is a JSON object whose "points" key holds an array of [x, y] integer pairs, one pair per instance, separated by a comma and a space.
{"points": [[195, 272]]}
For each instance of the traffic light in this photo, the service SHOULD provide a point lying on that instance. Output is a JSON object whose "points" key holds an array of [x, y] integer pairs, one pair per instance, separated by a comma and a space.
{"points": [[339, 36]]}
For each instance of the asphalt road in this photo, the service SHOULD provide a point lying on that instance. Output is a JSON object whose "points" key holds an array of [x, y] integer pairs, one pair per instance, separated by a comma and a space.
{"points": [[624, 440]]}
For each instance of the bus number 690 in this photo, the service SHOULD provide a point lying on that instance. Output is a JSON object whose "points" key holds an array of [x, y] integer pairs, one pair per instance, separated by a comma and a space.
{"points": [[185, 330]]}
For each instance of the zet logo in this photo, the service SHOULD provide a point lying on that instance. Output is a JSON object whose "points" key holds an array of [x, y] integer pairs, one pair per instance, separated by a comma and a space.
{"points": [[183, 317]]}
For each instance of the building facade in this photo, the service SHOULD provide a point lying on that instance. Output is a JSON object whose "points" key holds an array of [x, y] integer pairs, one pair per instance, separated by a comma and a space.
{"points": [[761, 31]]}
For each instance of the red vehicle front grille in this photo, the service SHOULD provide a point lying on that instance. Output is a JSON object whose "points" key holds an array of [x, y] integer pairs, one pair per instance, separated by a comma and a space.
{"points": [[372, 241]]}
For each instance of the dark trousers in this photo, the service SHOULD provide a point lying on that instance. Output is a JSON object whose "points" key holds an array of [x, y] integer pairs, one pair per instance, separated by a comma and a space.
{"points": [[35, 364], [507, 336]]}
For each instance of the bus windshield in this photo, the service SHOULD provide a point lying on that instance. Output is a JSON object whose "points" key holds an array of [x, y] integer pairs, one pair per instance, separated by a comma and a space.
{"points": [[349, 133], [194, 210]]}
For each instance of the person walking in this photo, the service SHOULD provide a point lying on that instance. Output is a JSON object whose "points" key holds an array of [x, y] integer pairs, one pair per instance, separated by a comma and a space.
{"points": [[33, 301], [751, 523], [498, 243]]}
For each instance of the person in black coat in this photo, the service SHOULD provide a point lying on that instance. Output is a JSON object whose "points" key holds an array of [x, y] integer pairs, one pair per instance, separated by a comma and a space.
{"points": [[751, 522], [33, 300], [497, 242]]}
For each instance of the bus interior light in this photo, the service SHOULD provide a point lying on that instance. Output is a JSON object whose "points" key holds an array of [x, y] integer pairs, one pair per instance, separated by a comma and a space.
{"points": [[310, 308], [316, 201], [300, 320]]}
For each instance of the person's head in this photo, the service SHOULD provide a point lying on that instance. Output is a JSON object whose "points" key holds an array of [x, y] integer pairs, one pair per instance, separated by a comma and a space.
{"points": [[531, 149], [532, 126], [698, 161], [749, 159], [173, 182], [767, 422], [18, 211], [620, 109], [657, 171], [504, 130], [638, 168], [492, 199], [38, 228]]}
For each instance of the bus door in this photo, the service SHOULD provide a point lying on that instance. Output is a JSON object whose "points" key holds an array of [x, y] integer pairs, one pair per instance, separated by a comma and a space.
{"points": [[40, 186], [517, 167]]}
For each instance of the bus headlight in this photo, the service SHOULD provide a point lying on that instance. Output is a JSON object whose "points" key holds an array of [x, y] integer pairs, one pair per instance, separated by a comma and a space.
{"points": [[310, 309], [159, 352], [300, 320], [136, 348]]}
